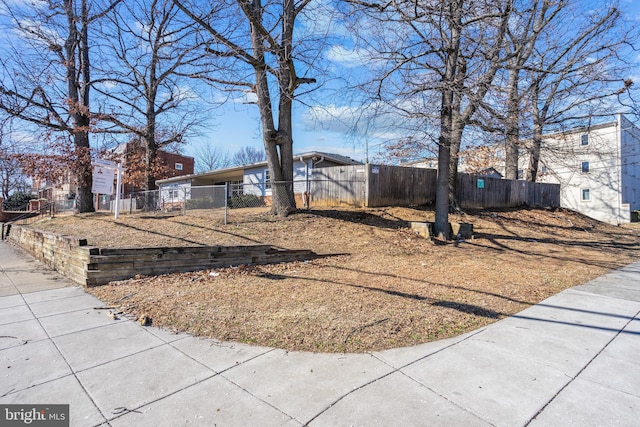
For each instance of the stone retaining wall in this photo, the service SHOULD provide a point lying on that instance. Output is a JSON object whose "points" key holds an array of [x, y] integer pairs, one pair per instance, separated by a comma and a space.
{"points": [[92, 266]]}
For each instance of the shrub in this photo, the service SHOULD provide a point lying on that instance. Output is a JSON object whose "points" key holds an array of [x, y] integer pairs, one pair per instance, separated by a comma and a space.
{"points": [[201, 203], [246, 201], [17, 201]]}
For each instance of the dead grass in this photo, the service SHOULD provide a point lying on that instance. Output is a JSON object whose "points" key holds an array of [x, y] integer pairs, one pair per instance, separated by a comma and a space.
{"points": [[389, 288]]}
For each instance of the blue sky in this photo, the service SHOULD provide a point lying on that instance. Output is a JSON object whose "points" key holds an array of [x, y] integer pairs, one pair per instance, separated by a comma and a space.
{"points": [[235, 125]]}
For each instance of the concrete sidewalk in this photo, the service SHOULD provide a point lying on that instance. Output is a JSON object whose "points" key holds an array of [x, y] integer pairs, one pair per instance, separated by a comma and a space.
{"points": [[572, 359]]}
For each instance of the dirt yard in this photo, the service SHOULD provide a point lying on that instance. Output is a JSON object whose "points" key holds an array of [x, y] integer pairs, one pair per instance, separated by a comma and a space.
{"points": [[382, 287]]}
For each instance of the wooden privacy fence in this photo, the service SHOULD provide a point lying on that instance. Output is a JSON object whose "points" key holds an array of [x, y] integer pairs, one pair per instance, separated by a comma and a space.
{"points": [[382, 185], [400, 186], [338, 186], [481, 192]]}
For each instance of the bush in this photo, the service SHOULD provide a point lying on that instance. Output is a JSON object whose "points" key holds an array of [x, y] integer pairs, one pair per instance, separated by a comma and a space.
{"points": [[17, 201], [201, 203], [246, 201]]}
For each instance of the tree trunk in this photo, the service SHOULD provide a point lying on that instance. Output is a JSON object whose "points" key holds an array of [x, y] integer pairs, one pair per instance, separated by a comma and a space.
{"points": [[443, 180], [283, 197], [77, 49], [534, 152], [441, 225], [151, 155], [512, 142], [456, 139], [278, 143], [536, 143], [83, 173], [151, 147], [270, 135]]}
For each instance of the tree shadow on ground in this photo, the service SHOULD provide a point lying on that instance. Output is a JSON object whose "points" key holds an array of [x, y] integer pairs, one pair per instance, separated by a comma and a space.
{"points": [[435, 302], [359, 217], [500, 243], [193, 242]]}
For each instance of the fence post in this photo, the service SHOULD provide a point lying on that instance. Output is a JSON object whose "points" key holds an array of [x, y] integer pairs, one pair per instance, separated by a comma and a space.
{"points": [[367, 183], [184, 199], [226, 202], [306, 197]]}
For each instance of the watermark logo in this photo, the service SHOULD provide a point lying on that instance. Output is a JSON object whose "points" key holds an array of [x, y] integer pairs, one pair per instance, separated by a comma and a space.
{"points": [[34, 415]]}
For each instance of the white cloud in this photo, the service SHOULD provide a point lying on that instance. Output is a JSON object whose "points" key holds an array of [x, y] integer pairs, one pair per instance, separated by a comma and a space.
{"points": [[348, 57], [374, 121]]}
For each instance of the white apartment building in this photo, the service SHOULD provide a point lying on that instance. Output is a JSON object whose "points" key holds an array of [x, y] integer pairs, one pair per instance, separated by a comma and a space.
{"points": [[597, 168]]}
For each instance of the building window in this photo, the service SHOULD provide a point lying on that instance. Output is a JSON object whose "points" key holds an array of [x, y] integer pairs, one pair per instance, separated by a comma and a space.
{"points": [[584, 139], [520, 174], [236, 188], [178, 166], [499, 154], [267, 179], [173, 192], [544, 169], [585, 167], [586, 194]]}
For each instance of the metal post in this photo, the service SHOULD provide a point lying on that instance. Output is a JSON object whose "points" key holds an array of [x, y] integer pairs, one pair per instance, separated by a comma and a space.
{"points": [[184, 200], [118, 179], [226, 201]]}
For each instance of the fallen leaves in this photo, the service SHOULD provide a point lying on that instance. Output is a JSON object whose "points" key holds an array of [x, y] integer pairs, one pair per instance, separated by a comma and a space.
{"points": [[387, 289]]}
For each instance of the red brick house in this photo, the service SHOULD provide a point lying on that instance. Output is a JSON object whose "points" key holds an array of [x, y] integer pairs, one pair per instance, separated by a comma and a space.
{"points": [[173, 164]]}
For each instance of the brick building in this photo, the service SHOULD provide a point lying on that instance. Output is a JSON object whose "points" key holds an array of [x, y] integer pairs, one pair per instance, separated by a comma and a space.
{"points": [[172, 164]]}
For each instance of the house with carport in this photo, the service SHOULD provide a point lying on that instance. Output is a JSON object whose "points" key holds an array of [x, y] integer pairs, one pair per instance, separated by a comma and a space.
{"points": [[243, 182]]}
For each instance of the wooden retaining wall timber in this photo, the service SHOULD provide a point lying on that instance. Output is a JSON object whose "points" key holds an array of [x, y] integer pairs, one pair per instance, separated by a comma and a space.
{"points": [[93, 266]]}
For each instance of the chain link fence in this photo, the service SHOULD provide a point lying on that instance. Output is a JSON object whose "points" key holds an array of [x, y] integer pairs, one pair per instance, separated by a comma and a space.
{"points": [[231, 200]]}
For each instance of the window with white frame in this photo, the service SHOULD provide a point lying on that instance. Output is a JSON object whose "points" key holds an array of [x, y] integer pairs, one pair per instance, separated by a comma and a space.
{"points": [[178, 166], [585, 167], [267, 179], [584, 139], [173, 192], [236, 188], [585, 194]]}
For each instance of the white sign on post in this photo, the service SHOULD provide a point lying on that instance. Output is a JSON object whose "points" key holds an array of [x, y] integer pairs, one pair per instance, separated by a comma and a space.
{"points": [[103, 171], [102, 180], [106, 163]]}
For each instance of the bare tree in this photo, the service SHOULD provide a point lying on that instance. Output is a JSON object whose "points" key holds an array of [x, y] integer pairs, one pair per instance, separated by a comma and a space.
{"points": [[210, 157], [445, 53], [11, 176], [262, 40], [566, 63], [577, 69], [528, 21], [247, 155], [46, 78], [152, 58]]}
